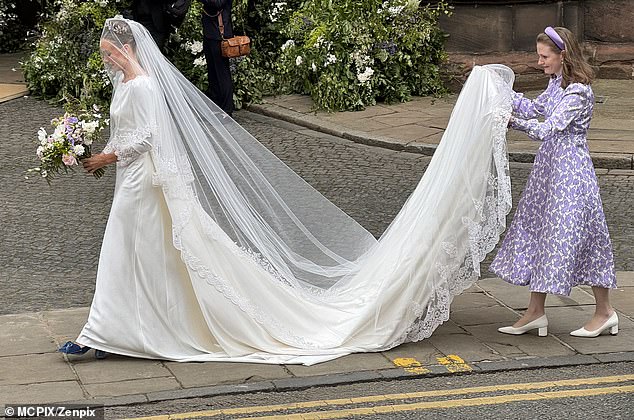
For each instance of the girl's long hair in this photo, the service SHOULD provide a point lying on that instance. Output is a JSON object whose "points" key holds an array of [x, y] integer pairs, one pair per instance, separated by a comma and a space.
{"points": [[576, 68]]}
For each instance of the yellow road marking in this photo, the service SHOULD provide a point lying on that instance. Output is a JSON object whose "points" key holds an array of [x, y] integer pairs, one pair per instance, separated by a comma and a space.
{"points": [[403, 396], [469, 402], [454, 363], [409, 364]]}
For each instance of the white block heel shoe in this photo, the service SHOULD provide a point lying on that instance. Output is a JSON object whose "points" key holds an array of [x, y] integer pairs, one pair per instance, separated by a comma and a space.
{"points": [[540, 324], [612, 324]]}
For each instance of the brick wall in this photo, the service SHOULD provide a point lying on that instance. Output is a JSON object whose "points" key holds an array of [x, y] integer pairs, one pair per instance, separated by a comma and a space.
{"points": [[504, 31]]}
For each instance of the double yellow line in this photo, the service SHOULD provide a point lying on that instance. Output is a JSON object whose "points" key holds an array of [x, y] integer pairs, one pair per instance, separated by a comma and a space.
{"points": [[527, 395]]}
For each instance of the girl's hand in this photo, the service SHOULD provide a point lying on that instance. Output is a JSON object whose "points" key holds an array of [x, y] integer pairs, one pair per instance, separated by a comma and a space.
{"points": [[98, 161]]}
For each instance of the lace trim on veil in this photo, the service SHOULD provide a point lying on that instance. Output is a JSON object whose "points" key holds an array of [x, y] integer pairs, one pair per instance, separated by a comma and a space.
{"points": [[457, 269], [458, 274]]}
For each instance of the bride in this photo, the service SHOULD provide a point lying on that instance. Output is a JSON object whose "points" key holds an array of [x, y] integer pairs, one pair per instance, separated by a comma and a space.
{"points": [[216, 251]]}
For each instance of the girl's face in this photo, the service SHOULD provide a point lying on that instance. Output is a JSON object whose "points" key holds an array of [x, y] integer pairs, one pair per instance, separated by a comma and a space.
{"points": [[549, 60]]}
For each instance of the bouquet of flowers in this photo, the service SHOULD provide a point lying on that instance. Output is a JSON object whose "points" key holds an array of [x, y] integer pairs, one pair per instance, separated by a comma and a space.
{"points": [[69, 143]]}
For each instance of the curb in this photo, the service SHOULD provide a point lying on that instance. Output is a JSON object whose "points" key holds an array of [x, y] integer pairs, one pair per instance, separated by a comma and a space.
{"points": [[600, 160], [4, 97], [301, 383]]}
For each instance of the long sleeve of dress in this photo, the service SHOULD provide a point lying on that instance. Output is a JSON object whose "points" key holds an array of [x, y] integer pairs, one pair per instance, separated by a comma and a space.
{"points": [[528, 108], [575, 99], [136, 122]]}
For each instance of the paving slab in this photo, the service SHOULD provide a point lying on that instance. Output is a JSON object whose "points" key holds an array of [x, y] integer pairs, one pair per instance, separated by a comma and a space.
{"points": [[423, 352], [526, 344], [351, 363], [34, 368], [65, 324], [449, 327], [479, 316], [471, 300], [24, 334], [41, 393], [517, 297], [12, 91], [622, 299], [605, 343], [117, 368], [201, 374], [625, 278], [119, 388], [465, 345], [562, 320]]}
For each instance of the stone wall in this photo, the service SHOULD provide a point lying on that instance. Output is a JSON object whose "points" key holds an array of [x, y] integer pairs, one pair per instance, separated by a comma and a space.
{"points": [[504, 31]]}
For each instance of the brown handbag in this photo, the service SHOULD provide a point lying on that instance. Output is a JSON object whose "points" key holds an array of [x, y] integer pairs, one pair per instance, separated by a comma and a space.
{"points": [[237, 46]]}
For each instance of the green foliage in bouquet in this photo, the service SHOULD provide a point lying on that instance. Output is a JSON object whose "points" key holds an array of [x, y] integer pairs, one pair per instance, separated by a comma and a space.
{"points": [[348, 54]]}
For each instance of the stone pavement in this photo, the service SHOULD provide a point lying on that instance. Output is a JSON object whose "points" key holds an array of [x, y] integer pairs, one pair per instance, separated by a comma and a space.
{"points": [[418, 125], [31, 371], [11, 79]]}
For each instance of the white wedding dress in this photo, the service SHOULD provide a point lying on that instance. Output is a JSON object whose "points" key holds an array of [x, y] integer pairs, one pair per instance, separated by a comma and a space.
{"points": [[189, 274]]}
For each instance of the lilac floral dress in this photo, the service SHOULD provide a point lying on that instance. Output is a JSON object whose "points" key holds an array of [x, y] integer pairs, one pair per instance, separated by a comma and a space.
{"points": [[558, 237]]}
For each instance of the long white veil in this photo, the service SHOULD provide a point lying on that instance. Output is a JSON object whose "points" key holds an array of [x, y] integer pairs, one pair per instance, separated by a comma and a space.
{"points": [[407, 278]]}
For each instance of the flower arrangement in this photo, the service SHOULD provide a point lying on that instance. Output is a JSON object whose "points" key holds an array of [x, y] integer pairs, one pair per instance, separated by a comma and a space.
{"points": [[343, 65], [314, 47], [69, 143]]}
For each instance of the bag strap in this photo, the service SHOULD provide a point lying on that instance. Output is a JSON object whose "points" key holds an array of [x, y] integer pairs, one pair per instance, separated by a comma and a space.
{"points": [[221, 25]]}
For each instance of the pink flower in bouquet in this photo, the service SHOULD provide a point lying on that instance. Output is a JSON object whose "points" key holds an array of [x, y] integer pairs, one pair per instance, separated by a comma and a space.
{"points": [[69, 160]]}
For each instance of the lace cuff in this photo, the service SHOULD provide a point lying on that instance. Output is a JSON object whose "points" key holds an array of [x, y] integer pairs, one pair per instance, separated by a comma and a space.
{"points": [[128, 146]]}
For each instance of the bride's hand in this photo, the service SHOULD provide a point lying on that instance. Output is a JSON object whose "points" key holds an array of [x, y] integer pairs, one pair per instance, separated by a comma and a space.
{"points": [[98, 161]]}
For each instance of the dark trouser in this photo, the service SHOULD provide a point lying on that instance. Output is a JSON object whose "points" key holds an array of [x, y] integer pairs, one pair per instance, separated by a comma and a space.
{"points": [[220, 88]]}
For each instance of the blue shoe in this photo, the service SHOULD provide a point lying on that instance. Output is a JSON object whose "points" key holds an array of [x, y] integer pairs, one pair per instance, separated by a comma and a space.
{"points": [[100, 354], [71, 348]]}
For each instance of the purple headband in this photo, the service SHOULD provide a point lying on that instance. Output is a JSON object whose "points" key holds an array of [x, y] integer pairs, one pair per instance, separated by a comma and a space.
{"points": [[554, 36]]}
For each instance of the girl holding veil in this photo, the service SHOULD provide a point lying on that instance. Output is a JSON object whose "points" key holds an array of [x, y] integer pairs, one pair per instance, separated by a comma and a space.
{"points": [[216, 251], [559, 237]]}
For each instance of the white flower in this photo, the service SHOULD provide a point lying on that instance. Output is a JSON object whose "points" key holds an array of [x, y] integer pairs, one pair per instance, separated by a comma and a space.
{"points": [[200, 61], [102, 3], [299, 60], [39, 151], [360, 60], [41, 135], [330, 59], [288, 44], [79, 150], [195, 47], [278, 7], [89, 127], [366, 75], [87, 141], [395, 10], [313, 66], [59, 131]]}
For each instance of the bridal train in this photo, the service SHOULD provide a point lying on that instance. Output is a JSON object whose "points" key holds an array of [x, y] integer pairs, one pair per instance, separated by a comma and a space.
{"points": [[216, 251]]}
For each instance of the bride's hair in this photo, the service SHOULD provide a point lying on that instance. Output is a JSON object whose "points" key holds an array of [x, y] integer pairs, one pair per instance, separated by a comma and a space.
{"points": [[119, 32], [576, 68]]}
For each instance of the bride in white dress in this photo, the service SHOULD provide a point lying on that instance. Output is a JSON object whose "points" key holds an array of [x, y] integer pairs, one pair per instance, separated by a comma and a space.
{"points": [[216, 251]]}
